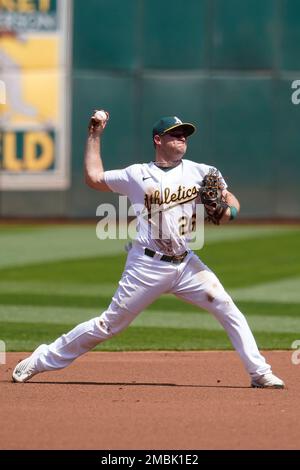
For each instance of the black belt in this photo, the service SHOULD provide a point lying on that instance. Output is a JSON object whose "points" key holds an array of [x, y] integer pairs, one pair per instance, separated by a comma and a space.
{"points": [[176, 259]]}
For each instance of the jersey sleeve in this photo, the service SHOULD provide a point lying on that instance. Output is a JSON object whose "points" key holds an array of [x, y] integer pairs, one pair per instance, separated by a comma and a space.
{"points": [[119, 181]]}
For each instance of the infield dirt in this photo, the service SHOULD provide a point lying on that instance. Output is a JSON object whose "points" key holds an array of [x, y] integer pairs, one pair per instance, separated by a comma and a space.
{"points": [[151, 400]]}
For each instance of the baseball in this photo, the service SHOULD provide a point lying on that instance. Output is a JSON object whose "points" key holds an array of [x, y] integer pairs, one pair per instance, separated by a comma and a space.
{"points": [[100, 115]]}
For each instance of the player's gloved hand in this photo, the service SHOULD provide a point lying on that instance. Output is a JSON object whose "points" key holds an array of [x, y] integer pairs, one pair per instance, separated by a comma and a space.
{"points": [[211, 196]]}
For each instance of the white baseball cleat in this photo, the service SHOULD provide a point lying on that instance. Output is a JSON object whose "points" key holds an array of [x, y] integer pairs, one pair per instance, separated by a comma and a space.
{"points": [[26, 369], [267, 381]]}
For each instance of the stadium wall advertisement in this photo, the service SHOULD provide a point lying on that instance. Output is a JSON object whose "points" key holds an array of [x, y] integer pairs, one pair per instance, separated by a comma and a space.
{"points": [[34, 71]]}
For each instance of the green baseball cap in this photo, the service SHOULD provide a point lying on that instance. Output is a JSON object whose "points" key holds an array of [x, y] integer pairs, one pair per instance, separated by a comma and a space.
{"points": [[166, 124]]}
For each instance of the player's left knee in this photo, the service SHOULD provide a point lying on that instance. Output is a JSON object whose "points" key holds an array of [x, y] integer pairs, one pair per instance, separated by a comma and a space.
{"points": [[215, 293], [221, 301]]}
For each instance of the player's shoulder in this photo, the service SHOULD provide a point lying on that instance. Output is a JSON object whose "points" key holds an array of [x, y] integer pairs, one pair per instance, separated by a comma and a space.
{"points": [[140, 168], [137, 171], [135, 168], [202, 168]]}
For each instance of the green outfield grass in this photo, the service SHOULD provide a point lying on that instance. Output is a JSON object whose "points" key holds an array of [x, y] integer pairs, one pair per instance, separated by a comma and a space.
{"points": [[53, 277]]}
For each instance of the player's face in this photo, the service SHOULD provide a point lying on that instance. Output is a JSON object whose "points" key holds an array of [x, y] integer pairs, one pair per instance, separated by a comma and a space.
{"points": [[174, 143]]}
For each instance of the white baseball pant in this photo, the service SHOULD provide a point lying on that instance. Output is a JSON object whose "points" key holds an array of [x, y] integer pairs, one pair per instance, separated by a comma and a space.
{"points": [[144, 279]]}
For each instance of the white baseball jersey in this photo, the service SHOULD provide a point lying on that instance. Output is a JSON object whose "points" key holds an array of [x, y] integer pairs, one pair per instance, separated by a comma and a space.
{"points": [[163, 200]]}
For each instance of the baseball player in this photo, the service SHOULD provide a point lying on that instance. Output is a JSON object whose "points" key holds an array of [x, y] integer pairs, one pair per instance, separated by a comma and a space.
{"points": [[160, 261]]}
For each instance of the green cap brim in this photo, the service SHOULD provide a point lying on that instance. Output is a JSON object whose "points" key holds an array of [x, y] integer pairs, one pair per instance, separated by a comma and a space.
{"points": [[188, 128]]}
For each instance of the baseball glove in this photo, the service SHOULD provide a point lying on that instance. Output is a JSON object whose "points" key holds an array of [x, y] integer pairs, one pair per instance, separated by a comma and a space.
{"points": [[211, 196]]}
